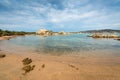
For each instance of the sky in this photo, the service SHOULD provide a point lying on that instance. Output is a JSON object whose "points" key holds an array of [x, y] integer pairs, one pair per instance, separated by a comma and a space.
{"points": [[59, 15]]}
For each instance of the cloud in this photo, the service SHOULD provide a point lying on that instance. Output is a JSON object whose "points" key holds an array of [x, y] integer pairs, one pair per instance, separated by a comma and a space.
{"points": [[67, 16], [59, 14]]}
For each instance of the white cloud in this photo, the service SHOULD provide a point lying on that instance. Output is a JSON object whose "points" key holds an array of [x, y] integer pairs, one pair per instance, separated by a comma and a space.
{"points": [[80, 13], [69, 15]]}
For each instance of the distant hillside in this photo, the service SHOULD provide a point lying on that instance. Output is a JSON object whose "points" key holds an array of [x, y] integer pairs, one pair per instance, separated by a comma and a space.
{"points": [[10, 33], [101, 31]]}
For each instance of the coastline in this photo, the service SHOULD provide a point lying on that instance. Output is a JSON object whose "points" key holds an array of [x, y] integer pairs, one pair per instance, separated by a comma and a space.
{"points": [[59, 67], [6, 37], [49, 67], [9, 37]]}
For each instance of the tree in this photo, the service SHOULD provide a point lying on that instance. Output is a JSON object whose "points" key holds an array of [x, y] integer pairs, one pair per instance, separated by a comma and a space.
{"points": [[0, 32]]}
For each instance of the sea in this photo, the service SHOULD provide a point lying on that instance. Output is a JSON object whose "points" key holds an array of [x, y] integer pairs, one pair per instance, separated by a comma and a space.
{"points": [[62, 45]]}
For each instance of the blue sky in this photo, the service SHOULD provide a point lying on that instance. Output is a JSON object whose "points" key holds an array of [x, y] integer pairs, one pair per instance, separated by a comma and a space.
{"points": [[59, 15]]}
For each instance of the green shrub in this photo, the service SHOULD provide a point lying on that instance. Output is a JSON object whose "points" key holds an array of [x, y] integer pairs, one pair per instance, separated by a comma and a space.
{"points": [[9, 33]]}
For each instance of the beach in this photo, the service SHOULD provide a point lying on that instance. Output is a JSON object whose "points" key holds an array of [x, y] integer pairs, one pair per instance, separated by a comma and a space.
{"points": [[59, 39], [59, 68], [64, 58], [6, 37]]}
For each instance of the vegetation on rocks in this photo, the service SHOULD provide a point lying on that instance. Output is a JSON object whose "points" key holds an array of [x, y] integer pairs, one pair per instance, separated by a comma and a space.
{"points": [[99, 35]]}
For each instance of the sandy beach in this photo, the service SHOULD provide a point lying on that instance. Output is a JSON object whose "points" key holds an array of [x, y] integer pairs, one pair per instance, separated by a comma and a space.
{"points": [[59, 39], [6, 37], [59, 67]]}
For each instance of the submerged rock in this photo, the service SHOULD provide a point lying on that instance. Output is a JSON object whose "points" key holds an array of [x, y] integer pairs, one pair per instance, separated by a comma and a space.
{"points": [[118, 39]]}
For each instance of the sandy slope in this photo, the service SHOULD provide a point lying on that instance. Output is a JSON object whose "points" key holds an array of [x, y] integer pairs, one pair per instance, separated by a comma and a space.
{"points": [[60, 68]]}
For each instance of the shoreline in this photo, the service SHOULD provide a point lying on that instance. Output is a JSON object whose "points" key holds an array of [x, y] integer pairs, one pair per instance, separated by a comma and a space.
{"points": [[6, 37], [9, 37], [99, 66], [59, 67]]}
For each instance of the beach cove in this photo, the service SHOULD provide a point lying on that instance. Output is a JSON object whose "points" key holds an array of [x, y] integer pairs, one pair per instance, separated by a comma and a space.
{"points": [[60, 60]]}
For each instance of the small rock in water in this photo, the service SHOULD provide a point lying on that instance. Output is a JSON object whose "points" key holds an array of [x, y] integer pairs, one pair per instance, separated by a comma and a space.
{"points": [[118, 39]]}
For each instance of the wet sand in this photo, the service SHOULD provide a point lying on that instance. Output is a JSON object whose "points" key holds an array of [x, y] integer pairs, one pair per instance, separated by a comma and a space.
{"points": [[59, 67], [7, 37]]}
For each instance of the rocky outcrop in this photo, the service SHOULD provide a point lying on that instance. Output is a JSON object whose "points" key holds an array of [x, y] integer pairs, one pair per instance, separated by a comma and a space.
{"points": [[44, 32], [100, 35]]}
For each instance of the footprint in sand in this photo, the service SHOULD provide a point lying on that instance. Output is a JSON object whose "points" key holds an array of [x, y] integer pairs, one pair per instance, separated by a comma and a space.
{"points": [[3, 76], [56, 76]]}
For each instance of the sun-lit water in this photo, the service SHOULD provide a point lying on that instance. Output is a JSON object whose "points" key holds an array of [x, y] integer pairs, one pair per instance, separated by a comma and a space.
{"points": [[75, 44]]}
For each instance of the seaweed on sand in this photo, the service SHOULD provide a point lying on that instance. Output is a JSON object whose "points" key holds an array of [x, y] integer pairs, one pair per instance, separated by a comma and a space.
{"points": [[27, 67], [26, 61]]}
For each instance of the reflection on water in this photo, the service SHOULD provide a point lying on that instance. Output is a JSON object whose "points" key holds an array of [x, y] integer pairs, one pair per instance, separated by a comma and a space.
{"points": [[59, 45]]}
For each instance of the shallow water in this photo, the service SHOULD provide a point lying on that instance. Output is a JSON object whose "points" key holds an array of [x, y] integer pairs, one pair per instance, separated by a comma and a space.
{"points": [[75, 44]]}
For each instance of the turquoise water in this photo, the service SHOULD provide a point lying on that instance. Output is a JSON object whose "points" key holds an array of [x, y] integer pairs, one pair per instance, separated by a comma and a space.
{"points": [[74, 44]]}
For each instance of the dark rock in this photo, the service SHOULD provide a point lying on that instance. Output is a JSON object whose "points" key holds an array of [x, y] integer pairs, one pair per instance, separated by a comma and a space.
{"points": [[118, 39], [2, 55], [43, 66]]}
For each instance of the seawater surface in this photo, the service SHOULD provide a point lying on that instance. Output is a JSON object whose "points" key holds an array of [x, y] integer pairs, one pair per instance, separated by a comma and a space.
{"points": [[74, 44]]}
